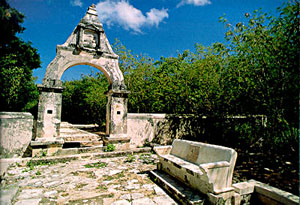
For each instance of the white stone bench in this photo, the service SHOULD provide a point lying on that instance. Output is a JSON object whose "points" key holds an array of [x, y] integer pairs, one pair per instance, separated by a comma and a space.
{"points": [[204, 167]]}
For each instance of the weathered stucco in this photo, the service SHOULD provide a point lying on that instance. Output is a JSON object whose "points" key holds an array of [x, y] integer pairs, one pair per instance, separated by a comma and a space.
{"points": [[162, 129], [142, 127], [15, 133]]}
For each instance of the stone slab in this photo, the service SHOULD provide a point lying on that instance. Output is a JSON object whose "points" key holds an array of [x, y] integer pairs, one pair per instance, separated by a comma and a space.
{"points": [[243, 188], [143, 201], [45, 141], [28, 202], [7, 195], [276, 195], [5, 163]]}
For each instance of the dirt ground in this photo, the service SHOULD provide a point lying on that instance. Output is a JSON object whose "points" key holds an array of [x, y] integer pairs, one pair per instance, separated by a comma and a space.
{"points": [[278, 170]]}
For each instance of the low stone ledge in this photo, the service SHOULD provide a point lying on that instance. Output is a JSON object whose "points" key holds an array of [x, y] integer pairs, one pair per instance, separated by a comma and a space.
{"points": [[273, 195], [83, 126], [243, 188], [15, 133], [41, 142], [116, 139], [23, 161], [15, 115], [49, 146], [144, 116]]}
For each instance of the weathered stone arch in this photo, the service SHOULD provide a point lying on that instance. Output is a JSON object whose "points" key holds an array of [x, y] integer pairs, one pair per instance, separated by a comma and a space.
{"points": [[102, 69], [87, 45]]}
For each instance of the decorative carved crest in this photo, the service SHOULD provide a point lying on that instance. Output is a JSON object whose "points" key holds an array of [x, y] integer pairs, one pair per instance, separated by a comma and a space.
{"points": [[89, 36]]}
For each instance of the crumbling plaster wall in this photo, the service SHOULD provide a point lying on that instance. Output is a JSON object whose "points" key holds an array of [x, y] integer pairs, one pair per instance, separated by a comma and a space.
{"points": [[143, 128], [15, 133]]}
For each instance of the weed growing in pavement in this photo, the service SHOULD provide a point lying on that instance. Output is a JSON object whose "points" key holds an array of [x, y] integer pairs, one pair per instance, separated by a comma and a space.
{"points": [[96, 165], [43, 153], [109, 148], [147, 159], [101, 187], [130, 158]]}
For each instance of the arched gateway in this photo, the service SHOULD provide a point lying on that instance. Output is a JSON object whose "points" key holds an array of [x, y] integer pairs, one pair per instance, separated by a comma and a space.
{"points": [[87, 45]]}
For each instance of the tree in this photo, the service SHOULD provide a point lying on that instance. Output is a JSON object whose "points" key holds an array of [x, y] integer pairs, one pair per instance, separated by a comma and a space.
{"points": [[86, 98], [263, 70], [18, 91]]}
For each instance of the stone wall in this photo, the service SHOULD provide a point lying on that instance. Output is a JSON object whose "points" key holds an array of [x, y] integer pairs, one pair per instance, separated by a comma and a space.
{"points": [[141, 127], [144, 128], [15, 133]]}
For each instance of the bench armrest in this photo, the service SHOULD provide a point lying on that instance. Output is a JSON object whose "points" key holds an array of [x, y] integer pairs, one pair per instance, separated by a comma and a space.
{"points": [[162, 150], [213, 165]]}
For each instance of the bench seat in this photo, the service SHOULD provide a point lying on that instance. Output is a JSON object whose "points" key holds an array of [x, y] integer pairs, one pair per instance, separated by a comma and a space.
{"points": [[204, 167]]}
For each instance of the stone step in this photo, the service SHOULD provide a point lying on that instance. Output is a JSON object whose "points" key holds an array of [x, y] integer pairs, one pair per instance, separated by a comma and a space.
{"points": [[71, 134], [95, 152], [65, 125], [83, 143], [76, 138], [80, 150], [178, 190]]}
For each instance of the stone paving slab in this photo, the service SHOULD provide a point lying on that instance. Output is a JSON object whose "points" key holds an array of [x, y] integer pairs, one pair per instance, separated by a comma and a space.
{"points": [[117, 180], [8, 194]]}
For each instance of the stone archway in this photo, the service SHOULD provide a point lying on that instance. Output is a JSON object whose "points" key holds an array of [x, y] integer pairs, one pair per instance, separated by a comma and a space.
{"points": [[87, 45]]}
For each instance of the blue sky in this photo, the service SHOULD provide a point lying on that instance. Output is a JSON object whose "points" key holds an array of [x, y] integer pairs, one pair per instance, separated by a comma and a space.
{"points": [[153, 27]]}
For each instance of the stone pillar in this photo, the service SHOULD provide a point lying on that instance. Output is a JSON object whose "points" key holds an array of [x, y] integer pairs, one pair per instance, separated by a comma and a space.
{"points": [[49, 109], [49, 116], [116, 118]]}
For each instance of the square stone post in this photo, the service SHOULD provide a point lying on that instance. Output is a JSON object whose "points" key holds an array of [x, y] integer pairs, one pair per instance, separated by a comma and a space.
{"points": [[116, 119], [49, 116]]}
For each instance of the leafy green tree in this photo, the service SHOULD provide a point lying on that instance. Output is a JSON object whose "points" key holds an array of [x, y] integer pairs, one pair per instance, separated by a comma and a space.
{"points": [[86, 98], [17, 60], [263, 72]]}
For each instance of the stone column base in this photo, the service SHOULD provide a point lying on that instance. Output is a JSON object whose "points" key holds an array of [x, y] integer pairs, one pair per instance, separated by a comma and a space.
{"points": [[46, 147], [121, 141]]}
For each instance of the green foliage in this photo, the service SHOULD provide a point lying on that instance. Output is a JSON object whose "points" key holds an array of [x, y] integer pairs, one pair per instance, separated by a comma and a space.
{"points": [[130, 158], [255, 72], [17, 60], [109, 148], [30, 164], [96, 165], [147, 159], [43, 153], [86, 98], [102, 187]]}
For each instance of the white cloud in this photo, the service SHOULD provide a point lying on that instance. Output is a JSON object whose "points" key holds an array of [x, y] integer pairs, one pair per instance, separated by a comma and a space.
{"points": [[194, 2], [155, 16], [121, 12], [76, 3]]}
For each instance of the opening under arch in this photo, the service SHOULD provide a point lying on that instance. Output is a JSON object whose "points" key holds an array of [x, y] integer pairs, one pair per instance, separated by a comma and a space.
{"points": [[84, 100]]}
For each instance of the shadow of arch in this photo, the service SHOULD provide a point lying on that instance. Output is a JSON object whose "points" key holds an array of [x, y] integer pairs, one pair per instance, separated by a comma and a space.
{"points": [[72, 64]]}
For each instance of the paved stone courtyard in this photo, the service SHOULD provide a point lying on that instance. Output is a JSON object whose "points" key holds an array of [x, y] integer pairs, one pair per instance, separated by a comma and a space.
{"points": [[117, 180]]}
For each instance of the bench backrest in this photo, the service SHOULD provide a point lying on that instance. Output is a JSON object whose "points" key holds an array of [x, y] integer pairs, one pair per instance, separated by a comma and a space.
{"points": [[201, 153]]}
